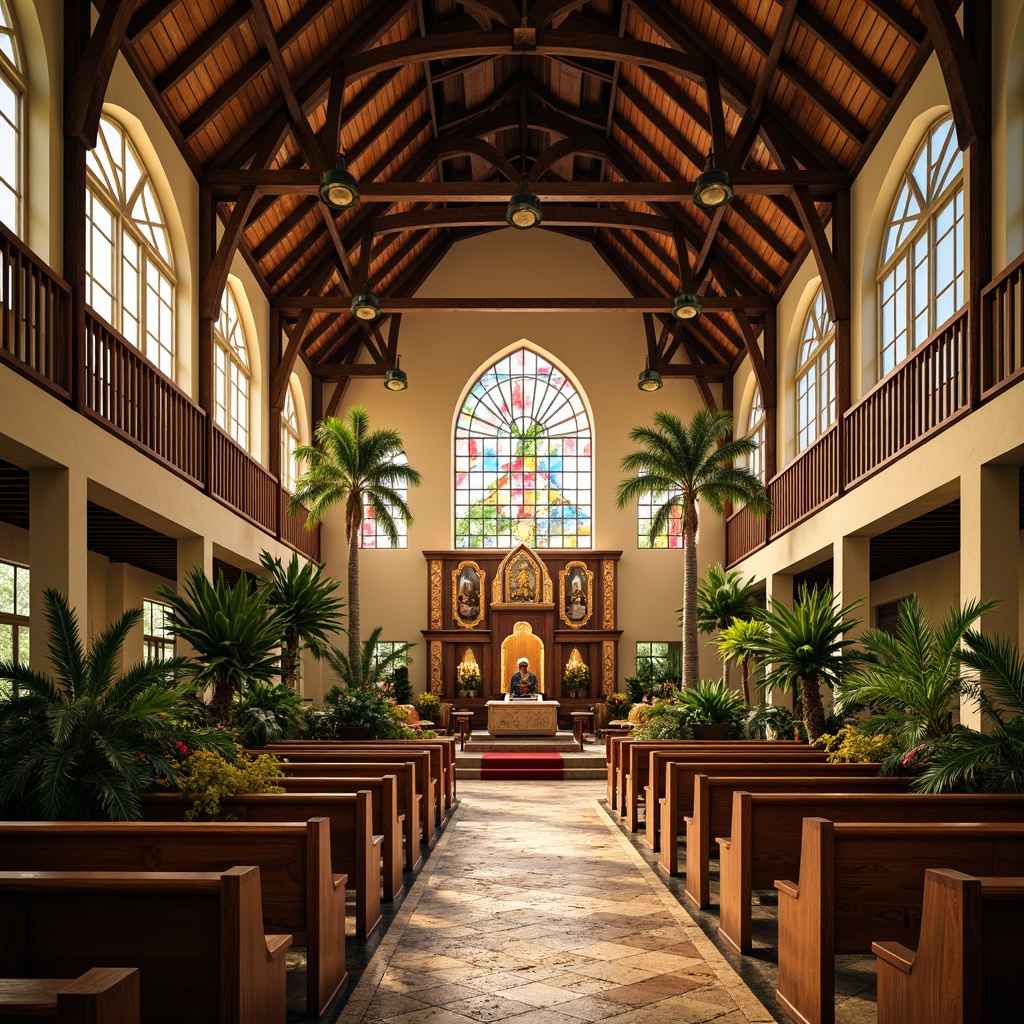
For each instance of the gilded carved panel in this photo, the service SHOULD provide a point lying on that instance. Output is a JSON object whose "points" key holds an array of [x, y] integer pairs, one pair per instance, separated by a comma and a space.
{"points": [[608, 574], [607, 666], [435, 594], [436, 666]]}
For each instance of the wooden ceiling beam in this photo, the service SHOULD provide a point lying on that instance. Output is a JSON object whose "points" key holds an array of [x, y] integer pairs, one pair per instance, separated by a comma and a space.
{"points": [[389, 304], [494, 216], [899, 19], [837, 290], [544, 12], [148, 16], [211, 289], [502, 11], [764, 373], [876, 79], [207, 42]]}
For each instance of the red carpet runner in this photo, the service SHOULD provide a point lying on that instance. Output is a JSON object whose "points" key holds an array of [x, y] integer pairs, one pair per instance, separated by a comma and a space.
{"points": [[521, 766]]}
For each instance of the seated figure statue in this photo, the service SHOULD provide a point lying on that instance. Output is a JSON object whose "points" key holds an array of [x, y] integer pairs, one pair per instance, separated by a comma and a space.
{"points": [[523, 683]]}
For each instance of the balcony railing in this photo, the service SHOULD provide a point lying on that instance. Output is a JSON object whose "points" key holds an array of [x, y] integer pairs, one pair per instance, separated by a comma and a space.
{"points": [[242, 483], [35, 329], [806, 484], [1002, 330], [925, 394], [129, 395], [294, 532], [744, 534]]}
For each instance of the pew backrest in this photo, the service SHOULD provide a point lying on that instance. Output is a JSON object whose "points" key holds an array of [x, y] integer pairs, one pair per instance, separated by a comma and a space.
{"points": [[102, 995]]}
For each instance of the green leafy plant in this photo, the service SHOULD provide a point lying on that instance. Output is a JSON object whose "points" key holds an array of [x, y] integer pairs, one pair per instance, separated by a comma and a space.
{"points": [[267, 712], [617, 706], [307, 606], [665, 720], [427, 705], [84, 742], [356, 468], [687, 467], [207, 778], [363, 705], [741, 642], [656, 678], [852, 746], [712, 702], [805, 650], [772, 721], [575, 677], [234, 633], [722, 598], [401, 687]]}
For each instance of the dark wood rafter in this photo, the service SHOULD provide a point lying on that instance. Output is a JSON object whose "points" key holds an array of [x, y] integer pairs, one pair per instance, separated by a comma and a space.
{"points": [[835, 286], [222, 29], [656, 304], [211, 284], [763, 370]]}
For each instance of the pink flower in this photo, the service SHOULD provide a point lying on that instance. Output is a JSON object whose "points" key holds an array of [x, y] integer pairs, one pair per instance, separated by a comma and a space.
{"points": [[907, 758], [182, 749], [143, 758]]}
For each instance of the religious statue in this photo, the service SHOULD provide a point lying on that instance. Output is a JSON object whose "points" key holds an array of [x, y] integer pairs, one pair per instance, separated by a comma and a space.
{"points": [[576, 605], [524, 587], [524, 682]]}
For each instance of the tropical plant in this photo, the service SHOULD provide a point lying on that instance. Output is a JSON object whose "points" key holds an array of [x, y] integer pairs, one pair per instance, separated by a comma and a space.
{"points": [[372, 669], [359, 469], [665, 720], [911, 680], [806, 649], [309, 611], [368, 706], [617, 706], [401, 687], [851, 745], [267, 712], [712, 702], [772, 721], [233, 632], [655, 678], [84, 742], [427, 705], [992, 760], [208, 779], [741, 642], [723, 599], [682, 466]]}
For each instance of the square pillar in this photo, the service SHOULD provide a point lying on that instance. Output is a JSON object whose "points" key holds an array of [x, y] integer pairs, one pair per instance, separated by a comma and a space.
{"points": [[58, 552], [779, 589], [990, 553], [851, 575], [192, 551]]}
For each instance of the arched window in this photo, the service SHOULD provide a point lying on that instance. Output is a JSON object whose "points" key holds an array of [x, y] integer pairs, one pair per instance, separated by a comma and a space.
{"points": [[372, 536], [12, 92], [231, 372], [523, 458], [922, 279], [129, 277], [645, 509], [289, 441], [755, 431], [816, 375]]}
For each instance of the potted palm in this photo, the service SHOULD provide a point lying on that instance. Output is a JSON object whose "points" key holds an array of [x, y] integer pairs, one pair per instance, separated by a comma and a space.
{"points": [[712, 709]]}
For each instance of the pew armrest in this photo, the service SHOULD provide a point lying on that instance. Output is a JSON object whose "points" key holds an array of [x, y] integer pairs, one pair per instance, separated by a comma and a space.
{"points": [[724, 842], [277, 945], [895, 954], [340, 882], [788, 888]]}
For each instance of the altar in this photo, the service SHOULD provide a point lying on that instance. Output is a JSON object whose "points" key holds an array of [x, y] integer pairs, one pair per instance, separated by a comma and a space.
{"points": [[522, 718]]}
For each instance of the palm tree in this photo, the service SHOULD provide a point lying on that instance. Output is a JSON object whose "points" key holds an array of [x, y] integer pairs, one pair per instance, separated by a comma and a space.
{"points": [[805, 648], [721, 599], [358, 468], [684, 466], [740, 642], [911, 680], [309, 612], [83, 742], [234, 633]]}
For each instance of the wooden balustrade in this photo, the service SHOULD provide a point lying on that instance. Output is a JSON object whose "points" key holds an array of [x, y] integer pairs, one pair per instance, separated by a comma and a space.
{"points": [[1002, 330], [130, 396], [744, 534], [238, 480], [294, 532], [35, 329], [806, 484], [927, 392]]}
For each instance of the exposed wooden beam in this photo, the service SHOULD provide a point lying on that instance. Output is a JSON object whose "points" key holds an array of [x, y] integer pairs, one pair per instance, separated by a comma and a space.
{"points": [[655, 304], [212, 286], [207, 42], [494, 216], [502, 11], [837, 290], [544, 12], [149, 15], [764, 373], [900, 20]]}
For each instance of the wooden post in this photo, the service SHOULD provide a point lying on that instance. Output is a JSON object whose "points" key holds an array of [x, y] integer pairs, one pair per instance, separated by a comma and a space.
{"points": [[841, 251], [274, 412], [207, 248]]}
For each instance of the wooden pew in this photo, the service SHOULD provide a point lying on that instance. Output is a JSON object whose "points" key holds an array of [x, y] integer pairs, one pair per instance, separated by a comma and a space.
{"points": [[298, 891], [103, 995], [965, 967], [355, 848], [679, 788], [197, 938], [766, 829], [405, 792], [658, 761], [425, 786], [712, 812], [383, 811], [864, 882], [634, 763]]}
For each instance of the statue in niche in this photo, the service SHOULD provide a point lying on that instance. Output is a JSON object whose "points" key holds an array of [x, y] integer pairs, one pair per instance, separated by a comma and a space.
{"points": [[524, 585]]}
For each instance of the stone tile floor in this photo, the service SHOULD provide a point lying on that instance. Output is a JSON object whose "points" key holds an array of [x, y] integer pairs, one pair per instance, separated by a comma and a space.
{"points": [[535, 908]]}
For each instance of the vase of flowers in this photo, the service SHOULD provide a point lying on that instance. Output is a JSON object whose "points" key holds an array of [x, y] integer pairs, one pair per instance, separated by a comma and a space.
{"points": [[575, 678], [469, 677]]}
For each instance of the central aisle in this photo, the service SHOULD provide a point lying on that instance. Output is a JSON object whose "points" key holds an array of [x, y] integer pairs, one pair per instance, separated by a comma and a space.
{"points": [[534, 909]]}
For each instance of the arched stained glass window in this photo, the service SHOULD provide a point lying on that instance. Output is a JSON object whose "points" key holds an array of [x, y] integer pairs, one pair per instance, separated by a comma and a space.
{"points": [[231, 372], [816, 375], [129, 268], [12, 93], [289, 441], [523, 467], [755, 431], [922, 279], [645, 509], [372, 536]]}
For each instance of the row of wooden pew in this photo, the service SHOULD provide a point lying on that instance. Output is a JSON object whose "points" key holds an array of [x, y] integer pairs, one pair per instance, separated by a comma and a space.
{"points": [[879, 869], [206, 911]]}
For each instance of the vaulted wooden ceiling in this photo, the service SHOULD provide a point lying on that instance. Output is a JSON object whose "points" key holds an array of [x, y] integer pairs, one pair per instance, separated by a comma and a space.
{"points": [[610, 106]]}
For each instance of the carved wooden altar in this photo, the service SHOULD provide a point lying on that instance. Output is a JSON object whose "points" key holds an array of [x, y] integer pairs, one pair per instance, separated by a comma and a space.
{"points": [[567, 598]]}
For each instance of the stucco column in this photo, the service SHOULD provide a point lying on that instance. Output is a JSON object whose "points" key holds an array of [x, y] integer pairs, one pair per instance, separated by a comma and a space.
{"points": [[851, 581], [192, 551], [779, 589], [990, 553], [58, 552]]}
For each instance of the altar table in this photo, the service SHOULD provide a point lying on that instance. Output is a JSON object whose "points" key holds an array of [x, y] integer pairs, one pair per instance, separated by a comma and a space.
{"points": [[522, 718]]}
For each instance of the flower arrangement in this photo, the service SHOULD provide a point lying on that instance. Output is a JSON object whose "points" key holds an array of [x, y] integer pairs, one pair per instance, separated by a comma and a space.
{"points": [[575, 678], [470, 678], [208, 779], [428, 705], [617, 705]]}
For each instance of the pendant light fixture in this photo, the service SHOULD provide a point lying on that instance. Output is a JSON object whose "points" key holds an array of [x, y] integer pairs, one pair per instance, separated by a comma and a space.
{"points": [[649, 380], [686, 306], [396, 379], [338, 189], [365, 306], [523, 208], [713, 188]]}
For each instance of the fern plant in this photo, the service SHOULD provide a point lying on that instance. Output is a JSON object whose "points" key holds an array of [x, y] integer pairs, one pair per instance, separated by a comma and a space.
{"points": [[267, 712]]}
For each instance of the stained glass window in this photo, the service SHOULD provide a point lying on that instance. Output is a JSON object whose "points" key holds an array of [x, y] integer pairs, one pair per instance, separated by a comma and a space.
{"points": [[289, 441], [816, 375], [372, 535], [755, 431], [645, 509], [523, 469], [129, 268], [922, 280], [12, 92], [231, 372]]}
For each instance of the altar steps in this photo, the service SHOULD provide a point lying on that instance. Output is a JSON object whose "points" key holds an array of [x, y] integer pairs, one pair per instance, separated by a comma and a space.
{"points": [[575, 765]]}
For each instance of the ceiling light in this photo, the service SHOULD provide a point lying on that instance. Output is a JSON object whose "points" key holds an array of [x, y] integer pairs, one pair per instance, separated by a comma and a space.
{"points": [[650, 380], [395, 379], [713, 188], [365, 306], [338, 189], [523, 208], [686, 306]]}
